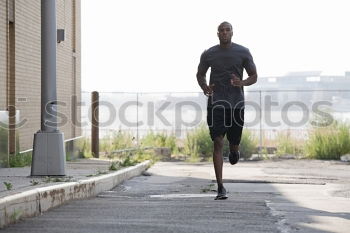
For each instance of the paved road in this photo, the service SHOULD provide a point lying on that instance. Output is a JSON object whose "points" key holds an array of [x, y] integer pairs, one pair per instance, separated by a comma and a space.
{"points": [[287, 196]]}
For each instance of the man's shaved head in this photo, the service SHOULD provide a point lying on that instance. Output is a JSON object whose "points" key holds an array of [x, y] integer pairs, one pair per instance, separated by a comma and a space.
{"points": [[225, 33], [224, 23]]}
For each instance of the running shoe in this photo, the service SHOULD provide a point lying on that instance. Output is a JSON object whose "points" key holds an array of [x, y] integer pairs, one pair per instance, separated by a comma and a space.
{"points": [[234, 157], [221, 194]]}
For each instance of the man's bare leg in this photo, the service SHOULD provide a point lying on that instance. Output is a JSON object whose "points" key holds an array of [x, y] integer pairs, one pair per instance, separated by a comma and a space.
{"points": [[217, 159], [218, 164]]}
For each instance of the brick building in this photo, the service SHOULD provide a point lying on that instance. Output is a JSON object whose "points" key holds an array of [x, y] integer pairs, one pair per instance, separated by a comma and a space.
{"points": [[20, 70]]}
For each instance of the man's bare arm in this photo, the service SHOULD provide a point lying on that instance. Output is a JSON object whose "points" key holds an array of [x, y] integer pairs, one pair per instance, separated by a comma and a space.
{"points": [[252, 78], [201, 79], [202, 82]]}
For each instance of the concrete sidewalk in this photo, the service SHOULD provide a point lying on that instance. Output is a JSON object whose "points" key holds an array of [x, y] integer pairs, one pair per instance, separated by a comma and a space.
{"points": [[28, 196]]}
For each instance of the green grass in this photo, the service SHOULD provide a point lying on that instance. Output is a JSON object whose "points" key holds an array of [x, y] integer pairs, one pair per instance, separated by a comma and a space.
{"points": [[248, 144], [84, 147], [123, 140], [199, 146], [329, 143], [3, 148], [16, 215], [113, 166], [116, 141], [160, 140], [34, 182], [208, 188], [128, 161], [58, 179], [286, 144], [141, 156], [8, 186], [20, 160]]}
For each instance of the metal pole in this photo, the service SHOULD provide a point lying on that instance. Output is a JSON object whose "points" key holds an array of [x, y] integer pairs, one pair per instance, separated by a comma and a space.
{"points": [[49, 157], [260, 112], [95, 124], [48, 66], [137, 118]]}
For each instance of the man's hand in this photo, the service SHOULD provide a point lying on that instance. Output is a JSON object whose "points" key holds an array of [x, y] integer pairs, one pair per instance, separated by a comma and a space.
{"points": [[236, 82], [208, 90]]}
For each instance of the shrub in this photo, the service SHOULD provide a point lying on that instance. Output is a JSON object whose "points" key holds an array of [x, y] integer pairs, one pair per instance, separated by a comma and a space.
{"points": [[286, 144], [84, 146], [20, 160], [3, 148], [143, 156], [247, 147], [117, 141], [160, 140], [198, 144], [329, 142], [248, 144], [128, 161]]}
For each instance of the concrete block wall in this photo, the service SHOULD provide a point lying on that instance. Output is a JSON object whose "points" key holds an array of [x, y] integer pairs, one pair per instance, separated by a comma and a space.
{"points": [[28, 68], [28, 64]]}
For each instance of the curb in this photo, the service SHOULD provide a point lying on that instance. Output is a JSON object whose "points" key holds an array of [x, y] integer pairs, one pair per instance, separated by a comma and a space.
{"points": [[37, 201]]}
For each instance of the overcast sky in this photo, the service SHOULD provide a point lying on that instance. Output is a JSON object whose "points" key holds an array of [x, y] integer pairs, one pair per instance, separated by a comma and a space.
{"points": [[155, 45]]}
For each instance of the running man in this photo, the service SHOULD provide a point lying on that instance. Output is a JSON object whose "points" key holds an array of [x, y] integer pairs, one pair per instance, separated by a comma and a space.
{"points": [[226, 95]]}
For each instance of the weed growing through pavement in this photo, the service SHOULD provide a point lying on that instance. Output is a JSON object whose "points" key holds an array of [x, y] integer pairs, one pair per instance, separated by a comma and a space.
{"points": [[113, 166], [34, 182], [209, 188], [15, 216], [58, 179], [98, 173], [8, 186]]}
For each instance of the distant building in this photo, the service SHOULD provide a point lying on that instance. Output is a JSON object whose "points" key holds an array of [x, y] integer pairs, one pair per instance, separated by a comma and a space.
{"points": [[306, 87], [20, 69], [309, 80]]}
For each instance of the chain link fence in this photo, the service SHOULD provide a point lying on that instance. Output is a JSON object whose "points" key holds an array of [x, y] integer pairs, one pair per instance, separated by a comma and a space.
{"points": [[268, 114]]}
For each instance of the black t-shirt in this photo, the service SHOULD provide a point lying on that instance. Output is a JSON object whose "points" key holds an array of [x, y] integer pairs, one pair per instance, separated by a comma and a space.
{"points": [[223, 63]]}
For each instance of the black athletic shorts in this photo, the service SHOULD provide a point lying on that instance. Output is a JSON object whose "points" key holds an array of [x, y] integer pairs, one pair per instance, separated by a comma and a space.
{"points": [[223, 121]]}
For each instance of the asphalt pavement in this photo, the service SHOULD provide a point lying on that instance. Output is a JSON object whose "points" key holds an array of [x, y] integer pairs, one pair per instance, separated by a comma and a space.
{"points": [[264, 196]]}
